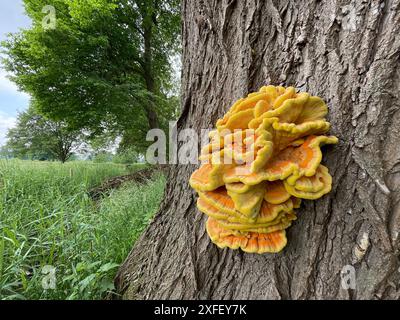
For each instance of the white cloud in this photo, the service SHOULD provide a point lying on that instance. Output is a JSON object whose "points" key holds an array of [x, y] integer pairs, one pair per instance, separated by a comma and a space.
{"points": [[6, 122]]}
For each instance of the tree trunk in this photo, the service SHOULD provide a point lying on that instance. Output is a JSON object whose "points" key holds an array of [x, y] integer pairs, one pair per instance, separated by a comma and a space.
{"points": [[149, 72], [345, 52]]}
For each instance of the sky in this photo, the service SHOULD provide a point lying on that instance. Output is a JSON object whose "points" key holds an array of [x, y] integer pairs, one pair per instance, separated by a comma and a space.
{"points": [[12, 19]]}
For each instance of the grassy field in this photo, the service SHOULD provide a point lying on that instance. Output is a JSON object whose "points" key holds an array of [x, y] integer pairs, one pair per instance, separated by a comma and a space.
{"points": [[56, 242]]}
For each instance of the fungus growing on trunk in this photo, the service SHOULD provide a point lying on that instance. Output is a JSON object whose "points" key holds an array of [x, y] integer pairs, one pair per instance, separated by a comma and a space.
{"points": [[263, 158]]}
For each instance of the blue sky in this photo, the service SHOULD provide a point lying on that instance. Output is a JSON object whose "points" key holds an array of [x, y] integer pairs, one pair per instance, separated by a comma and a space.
{"points": [[12, 18]]}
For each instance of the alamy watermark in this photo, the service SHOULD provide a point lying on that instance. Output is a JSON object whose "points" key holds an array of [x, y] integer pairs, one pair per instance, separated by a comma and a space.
{"points": [[49, 279], [218, 146], [348, 277], [49, 21]]}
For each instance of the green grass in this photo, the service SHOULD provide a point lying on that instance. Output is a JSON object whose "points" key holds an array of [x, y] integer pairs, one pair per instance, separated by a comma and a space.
{"points": [[47, 219]]}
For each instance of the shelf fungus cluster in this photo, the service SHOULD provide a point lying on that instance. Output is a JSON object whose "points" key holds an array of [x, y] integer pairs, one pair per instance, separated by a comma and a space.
{"points": [[262, 159]]}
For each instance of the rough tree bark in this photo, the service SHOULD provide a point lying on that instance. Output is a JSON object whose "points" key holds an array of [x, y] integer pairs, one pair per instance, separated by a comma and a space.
{"points": [[347, 52]]}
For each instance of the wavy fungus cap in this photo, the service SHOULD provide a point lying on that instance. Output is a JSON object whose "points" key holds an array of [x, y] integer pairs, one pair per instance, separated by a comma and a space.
{"points": [[262, 159]]}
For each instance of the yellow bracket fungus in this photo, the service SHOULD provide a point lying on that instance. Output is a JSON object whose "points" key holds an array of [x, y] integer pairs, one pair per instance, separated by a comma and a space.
{"points": [[262, 159]]}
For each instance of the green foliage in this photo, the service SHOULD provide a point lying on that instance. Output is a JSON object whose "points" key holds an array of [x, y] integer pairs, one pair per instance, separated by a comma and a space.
{"points": [[47, 218], [5, 152], [128, 156], [106, 63], [36, 137], [103, 156], [123, 156]]}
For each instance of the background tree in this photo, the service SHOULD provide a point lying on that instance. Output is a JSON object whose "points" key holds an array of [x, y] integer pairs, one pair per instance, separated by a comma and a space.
{"points": [[5, 153], [36, 137], [105, 66], [349, 54]]}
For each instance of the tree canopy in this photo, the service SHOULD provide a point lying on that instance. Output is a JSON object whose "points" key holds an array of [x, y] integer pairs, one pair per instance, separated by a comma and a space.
{"points": [[105, 64], [36, 137]]}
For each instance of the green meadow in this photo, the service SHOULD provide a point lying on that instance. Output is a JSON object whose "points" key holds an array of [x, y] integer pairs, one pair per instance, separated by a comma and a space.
{"points": [[58, 243]]}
